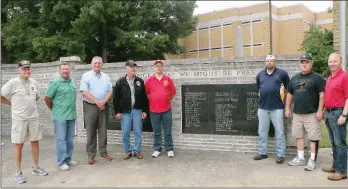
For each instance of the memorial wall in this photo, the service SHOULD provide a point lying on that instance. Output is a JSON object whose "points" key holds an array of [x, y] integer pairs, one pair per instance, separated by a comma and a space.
{"points": [[215, 107]]}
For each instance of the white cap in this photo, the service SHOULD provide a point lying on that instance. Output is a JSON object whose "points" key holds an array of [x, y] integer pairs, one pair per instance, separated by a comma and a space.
{"points": [[270, 57]]}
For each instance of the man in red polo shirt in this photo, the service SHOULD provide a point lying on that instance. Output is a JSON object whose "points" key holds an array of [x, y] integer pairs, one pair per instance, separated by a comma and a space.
{"points": [[160, 91], [336, 105]]}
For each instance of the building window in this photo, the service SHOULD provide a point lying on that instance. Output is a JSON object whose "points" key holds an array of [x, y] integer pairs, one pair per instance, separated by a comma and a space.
{"points": [[202, 50], [215, 26], [228, 24], [203, 28], [254, 45], [228, 47], [216, 48], [248, 22]]}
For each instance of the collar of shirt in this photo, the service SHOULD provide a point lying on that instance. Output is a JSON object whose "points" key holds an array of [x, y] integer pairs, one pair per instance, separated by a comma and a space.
{"points": [[129, 79], [266, 73], [339, 72], [60, 78], [97, 74]]}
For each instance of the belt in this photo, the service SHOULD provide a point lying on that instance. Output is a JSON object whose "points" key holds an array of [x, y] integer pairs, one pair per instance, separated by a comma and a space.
{"points": [[89, 103], [334, 109]]}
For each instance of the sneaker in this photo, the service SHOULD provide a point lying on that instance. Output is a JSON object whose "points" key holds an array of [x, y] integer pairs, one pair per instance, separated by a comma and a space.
{"points": [[156, 154], [64, 167], [260, 157], [38, 171], [2, 144], [170, 154], [297, 162], [310, 165], [20, 179], [73, 163]]}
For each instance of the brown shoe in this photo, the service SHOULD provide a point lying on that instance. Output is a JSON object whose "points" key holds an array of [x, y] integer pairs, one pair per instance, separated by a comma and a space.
{"points": [[106, 157], [139, 155], [337, 177], [126, 156], [329, 170], [91, 160]]}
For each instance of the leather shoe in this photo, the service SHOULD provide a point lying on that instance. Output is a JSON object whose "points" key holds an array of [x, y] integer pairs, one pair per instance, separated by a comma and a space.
{"points": [[138, 155], [329, 170], [106, 157], [337, 177], [91, 160], [127, 156]]}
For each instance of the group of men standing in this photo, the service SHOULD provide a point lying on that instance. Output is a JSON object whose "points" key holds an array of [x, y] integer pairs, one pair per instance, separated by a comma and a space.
{"points": [[132, 98], [314, 99]]}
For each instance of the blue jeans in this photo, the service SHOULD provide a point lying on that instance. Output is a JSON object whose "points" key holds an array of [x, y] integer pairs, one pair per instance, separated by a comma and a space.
{"points": [[126, 123], [277, 118], [64, 131], [337, 136], [157, 119]]}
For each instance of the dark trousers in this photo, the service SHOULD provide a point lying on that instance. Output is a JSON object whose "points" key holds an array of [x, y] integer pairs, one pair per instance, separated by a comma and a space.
{"points": [[337, 136], [95, 123]]}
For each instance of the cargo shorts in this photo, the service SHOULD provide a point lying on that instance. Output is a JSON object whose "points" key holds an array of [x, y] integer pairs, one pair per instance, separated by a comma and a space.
{"points": [[25, 130], [308, 123]]}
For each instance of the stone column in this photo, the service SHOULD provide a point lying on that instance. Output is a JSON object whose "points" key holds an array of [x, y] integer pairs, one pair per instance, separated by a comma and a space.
{"points": [[335, 25]]}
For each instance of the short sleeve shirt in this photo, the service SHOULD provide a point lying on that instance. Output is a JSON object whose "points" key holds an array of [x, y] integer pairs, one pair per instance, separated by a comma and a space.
{"points": [[336, 90], [63, 95], [269, 86], [23, 95], [98, 84], [306, 90]]}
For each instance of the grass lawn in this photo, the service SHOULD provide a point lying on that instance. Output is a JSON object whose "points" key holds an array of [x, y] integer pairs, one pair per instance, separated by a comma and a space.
{"points": [[325, 141]]}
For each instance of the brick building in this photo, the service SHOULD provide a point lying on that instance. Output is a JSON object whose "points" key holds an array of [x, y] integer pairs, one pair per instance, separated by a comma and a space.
{"points": [[215, 33]]}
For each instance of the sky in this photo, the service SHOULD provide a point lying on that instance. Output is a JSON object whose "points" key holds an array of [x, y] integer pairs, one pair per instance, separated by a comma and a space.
{"points": [[210, 6]]}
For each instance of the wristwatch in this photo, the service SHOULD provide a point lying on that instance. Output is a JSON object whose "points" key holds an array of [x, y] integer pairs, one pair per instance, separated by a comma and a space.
{"points": [[344, 115]]}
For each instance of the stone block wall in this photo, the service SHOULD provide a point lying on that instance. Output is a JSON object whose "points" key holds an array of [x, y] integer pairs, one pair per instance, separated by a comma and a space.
{"points": [[239, 70]]}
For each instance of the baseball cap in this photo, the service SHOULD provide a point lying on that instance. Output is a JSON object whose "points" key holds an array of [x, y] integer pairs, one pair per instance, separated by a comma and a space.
{"points": [[270, 57], [158, 61], [130, 63], [306, 57], [24, 64]]}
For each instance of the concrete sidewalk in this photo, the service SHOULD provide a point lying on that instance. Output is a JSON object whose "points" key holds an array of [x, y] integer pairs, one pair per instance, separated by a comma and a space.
{"points": [[186, 169]]}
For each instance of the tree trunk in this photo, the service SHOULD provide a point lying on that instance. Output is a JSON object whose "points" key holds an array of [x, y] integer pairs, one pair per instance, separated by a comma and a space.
{"points": [[104, 47]]}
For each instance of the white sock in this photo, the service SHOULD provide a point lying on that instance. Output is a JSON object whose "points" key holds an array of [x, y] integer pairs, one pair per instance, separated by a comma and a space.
{"points": [[312, 156], [300, 154]]}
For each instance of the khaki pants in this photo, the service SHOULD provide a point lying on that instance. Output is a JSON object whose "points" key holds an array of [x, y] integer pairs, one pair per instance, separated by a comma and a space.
{"points": [[308, 123], [25, 130]]}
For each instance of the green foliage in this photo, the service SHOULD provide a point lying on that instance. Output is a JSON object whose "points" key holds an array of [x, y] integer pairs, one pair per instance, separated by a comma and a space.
{"points": [[319, 43], [44, 30]]}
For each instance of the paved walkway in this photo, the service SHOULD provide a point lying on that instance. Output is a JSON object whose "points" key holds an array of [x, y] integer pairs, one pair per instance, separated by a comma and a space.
{"points": [[187, 168]]}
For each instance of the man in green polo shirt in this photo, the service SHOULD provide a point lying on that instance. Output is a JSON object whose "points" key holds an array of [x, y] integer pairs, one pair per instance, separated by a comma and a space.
{"points": [[61, 99]]}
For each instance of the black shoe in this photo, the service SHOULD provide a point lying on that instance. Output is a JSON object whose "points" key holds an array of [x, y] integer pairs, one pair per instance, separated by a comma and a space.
{"points": [[280, 160], [260, 157]]}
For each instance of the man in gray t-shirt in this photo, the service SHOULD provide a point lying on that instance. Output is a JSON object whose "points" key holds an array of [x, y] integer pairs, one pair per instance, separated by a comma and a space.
{"points": [[22, 93]]}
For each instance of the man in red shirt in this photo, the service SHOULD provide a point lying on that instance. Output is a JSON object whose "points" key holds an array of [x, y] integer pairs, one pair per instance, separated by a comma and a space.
{"points": [[160, 90], [336, 105]]}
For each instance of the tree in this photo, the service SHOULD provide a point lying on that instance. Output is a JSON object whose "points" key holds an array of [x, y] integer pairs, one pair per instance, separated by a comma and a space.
{"points": [[116, 30], [319, 43]]}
